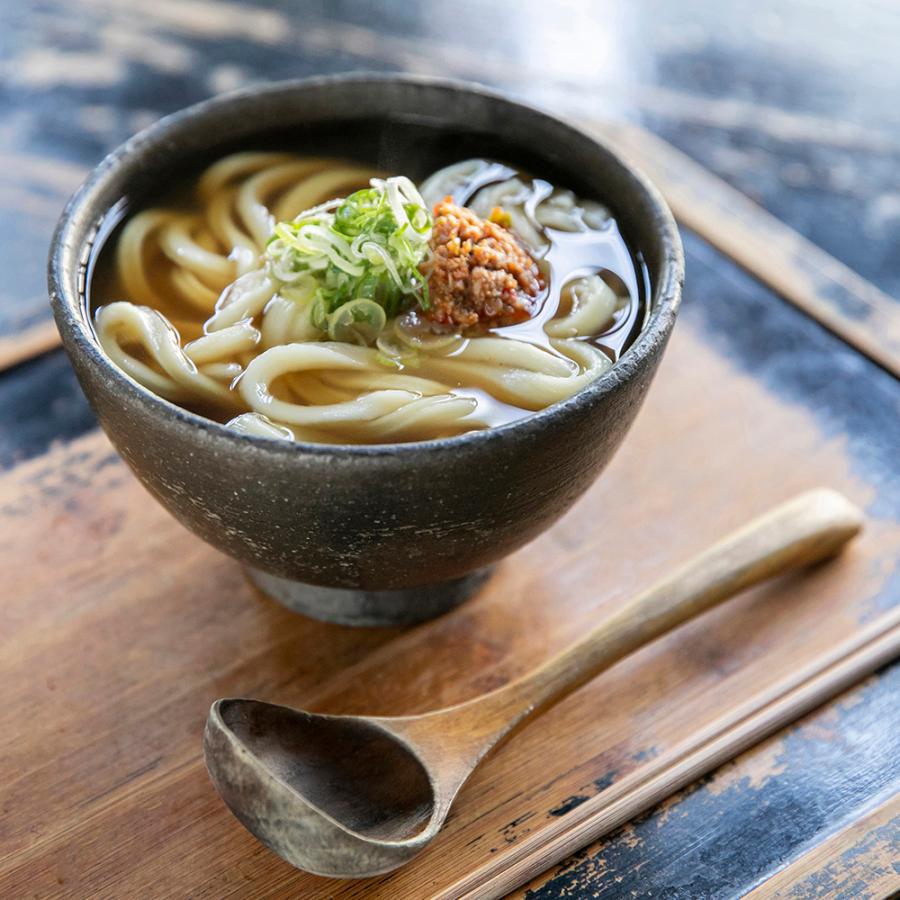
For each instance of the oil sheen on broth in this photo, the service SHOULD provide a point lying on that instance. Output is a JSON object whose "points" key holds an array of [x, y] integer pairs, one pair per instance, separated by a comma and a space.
{"points": [[315, 299]]}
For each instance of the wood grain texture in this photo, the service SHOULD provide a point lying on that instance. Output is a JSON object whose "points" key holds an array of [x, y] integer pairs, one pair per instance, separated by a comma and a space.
{"points": [[119, 629], [860, 860], [404, 771], [672, 851], [732, 733], [772, 251], [36, 340]]}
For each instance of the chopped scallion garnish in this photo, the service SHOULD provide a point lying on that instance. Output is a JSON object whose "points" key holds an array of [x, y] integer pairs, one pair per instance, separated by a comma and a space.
{"points": [[369, 246]]}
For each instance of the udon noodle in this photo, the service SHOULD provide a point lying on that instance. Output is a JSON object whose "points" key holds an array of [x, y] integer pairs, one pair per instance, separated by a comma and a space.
{"points": [[218, 318]]}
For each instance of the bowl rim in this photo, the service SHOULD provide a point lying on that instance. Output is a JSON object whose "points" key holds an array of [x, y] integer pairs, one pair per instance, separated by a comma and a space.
{"points": [[65, 254]]}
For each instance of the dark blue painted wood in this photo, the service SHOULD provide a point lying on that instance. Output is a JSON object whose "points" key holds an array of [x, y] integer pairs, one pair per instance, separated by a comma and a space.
{"points": [[713, 841], [846, 199], [40, 404], [798, 359]]}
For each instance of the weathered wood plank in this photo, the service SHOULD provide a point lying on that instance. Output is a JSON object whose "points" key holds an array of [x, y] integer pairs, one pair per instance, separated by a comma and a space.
{"points": [[720, 836], [33, 341], [737, 730], [115, 66], [860, 861]]}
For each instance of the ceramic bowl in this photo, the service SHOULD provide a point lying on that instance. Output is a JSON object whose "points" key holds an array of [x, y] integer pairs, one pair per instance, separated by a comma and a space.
{"points": [[368, 535]]}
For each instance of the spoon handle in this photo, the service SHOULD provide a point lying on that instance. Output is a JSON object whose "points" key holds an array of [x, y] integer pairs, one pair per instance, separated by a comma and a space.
{"points": [[810, 528]]}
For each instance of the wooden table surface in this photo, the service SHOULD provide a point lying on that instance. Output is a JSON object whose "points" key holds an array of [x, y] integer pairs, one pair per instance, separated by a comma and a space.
{"points": [[791, 105]]}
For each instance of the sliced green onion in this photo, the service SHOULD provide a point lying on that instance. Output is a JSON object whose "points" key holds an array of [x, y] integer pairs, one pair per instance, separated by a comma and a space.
{"points": [[368, 246], [358, 322], [318, 315]]}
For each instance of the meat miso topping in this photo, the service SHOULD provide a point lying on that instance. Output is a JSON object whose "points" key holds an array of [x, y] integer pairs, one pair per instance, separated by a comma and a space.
{"points": [[479, 275]]}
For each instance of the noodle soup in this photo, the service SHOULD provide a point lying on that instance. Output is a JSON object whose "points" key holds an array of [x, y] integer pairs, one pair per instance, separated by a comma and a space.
{"points": [[315, 299], [397, 527]]}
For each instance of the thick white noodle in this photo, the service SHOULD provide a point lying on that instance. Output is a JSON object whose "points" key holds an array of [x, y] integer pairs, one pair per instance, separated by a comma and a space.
{"points": [[123, 326], [259, 426], [559, 209], [257, 352], [512, 196], [243, 299], [592, 305], [447, 180]]}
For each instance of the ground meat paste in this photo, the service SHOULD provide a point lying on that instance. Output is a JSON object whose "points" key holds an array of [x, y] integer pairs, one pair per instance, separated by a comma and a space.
{"points": [[479, 275]]}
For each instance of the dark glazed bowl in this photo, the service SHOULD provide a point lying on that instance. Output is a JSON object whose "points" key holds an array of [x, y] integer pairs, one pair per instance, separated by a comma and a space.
{"points": [[366, 534]]}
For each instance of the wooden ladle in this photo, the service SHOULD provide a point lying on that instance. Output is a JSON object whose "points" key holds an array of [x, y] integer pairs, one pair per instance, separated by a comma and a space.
{"points": [[353, 796]]}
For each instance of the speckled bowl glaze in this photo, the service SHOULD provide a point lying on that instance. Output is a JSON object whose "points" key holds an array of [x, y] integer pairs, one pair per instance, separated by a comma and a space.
{"points": [[368, 535]]}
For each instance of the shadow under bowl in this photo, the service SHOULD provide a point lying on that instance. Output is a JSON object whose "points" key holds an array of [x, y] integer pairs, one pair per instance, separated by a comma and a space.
{"points": [[372, 534]]}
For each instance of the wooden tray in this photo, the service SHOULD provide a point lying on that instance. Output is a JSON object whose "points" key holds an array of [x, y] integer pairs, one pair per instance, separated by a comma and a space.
{"points": [[119, 628]]}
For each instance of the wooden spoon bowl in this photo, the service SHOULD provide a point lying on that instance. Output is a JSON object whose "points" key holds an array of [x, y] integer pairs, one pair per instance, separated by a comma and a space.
{"points": [[342, 786]]}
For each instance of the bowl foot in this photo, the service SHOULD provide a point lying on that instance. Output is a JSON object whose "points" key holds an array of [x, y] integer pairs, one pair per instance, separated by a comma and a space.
{"points": [[350, 606]]}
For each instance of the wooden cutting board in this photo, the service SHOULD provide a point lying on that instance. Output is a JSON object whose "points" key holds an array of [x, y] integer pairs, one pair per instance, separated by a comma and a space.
{"points": [[118, 628]]}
